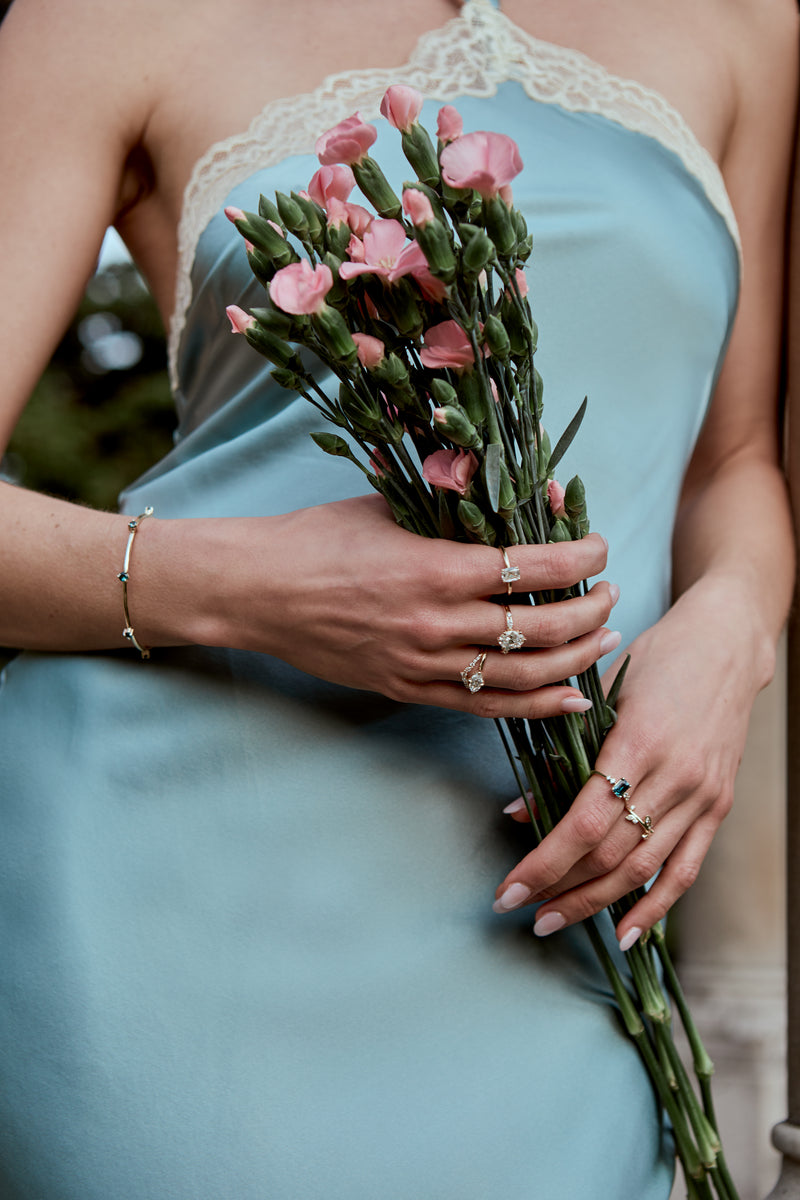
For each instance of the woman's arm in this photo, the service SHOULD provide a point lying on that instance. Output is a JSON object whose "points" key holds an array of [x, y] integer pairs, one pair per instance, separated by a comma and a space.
{"points": [[693, 677]]}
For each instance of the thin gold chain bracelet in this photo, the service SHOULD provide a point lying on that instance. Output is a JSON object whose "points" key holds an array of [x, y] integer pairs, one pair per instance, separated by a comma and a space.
{"points": [[124, 578]]}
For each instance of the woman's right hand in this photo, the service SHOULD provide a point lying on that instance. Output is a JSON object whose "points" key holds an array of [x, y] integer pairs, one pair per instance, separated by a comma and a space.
{"points": [[343, 593]]}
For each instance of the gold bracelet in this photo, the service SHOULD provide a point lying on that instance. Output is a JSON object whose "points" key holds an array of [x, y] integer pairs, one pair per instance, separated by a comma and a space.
{"points": [[124, 577]]}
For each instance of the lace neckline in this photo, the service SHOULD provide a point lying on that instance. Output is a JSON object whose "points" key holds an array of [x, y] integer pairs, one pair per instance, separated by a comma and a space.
{"points": [[471, 54]]}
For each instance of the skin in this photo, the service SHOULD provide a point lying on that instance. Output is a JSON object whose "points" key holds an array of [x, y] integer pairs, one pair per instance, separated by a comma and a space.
{"points": [[128, 97]]}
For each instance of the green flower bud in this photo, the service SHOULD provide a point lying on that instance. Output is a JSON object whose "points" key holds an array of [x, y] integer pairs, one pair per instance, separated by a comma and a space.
{"points": [[331, 443], [478, 250], [258, 230], [315, 218], [277, 322], [337, 239], [418, 149], [500, 226], [475, 523], [453, 422], [274, 348], [496, 338], [375, 186], [435, 243], [443, 392], [332, 331], [268, 210], [525, 248], [292, 215], [559, 532], [575, 498], [471, 397]]}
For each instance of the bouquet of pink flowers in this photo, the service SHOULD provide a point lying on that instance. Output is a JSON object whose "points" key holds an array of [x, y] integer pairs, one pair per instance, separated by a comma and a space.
{"points": [[418, 309]]}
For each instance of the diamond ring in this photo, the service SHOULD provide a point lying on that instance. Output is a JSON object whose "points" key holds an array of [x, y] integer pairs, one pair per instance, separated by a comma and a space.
{"points": [[472, 675], [510, 638]]}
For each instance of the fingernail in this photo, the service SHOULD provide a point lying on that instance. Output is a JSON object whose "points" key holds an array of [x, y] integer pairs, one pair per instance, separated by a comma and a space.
{"points": [[605, 540], [516, 806], [576, 704], [630, 938], [614, 592], [549, 923], [514, 895], [609, 641]]}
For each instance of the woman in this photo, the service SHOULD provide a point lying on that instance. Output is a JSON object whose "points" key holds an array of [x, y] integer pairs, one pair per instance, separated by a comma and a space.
{"points": [[248, 941]]}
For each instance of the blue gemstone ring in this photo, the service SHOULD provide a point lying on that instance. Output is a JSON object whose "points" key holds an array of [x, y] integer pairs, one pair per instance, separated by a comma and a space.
{"points": [[622, 789]]}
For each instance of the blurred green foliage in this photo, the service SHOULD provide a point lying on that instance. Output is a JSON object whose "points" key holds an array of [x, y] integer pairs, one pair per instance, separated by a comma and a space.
{"points": [[102, 412]]}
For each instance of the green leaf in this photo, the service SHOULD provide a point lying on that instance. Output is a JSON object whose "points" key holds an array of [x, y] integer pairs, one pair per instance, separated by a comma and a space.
{"points": [[565, 441], [613, 695], [491, 473]]}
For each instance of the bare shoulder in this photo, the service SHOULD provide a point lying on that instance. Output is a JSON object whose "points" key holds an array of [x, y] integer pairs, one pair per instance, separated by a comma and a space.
{"points": [[95, 60], [763, 37]]}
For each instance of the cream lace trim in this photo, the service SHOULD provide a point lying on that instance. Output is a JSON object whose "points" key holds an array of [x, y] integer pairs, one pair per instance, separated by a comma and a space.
{"points": [[472, 54]]}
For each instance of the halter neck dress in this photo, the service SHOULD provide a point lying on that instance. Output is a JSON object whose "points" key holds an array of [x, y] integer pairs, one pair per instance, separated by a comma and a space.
{"points": [[247, 940]]}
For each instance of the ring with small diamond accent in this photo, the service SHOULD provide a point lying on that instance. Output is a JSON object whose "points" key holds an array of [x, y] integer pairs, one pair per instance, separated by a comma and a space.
{"points": [[472, 675], [508, 574], [510, 638], [622, 789]]}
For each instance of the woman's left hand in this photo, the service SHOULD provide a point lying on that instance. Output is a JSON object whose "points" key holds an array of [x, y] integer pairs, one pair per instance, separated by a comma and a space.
{"points": [[682, 721]]}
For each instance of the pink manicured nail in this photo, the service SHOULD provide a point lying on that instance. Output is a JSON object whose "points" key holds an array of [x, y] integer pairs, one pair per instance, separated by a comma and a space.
{"points": [[614, 592], [514, 895], [550, 923], [516, 806], [576, 704], [630, 938], [610, 641]]}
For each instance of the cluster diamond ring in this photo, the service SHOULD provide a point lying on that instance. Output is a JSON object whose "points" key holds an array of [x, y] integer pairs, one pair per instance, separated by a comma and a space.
{"points": [[510, 638], [621, 788], [472, 675], [508, 574]]}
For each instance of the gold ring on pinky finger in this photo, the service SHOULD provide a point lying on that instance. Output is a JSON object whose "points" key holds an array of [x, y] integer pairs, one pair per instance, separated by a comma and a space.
{"points": [[621, 788], [508, 574], [472, 675], [510, 638]]}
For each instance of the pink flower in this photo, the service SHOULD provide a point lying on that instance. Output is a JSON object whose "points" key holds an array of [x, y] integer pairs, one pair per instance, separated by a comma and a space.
{"points": [[522, 282], [413, 262], [417, 206], [383, 244], [451, 469], [357, 219], [370, 349], [401, 106], [355, 248], [555, 496], [239, 319], [447, 345], [347, 142], [300, 288], [331, 181], [486, 162], [449, 125]]}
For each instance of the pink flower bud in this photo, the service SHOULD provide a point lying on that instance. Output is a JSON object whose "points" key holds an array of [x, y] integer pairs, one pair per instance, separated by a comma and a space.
{"points": [[555, 496], [335, 181], [451, 469], [486, 162], [522, 282], [380, 464], [401, 106], [417, 206], [348, 142], [300, 289], [449, 125], [234, 214], [447, 345], [239, 319], [371, 350]]}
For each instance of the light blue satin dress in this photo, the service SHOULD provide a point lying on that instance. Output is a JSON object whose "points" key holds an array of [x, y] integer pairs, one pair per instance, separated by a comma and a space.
{"points": [[248, 951]]}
